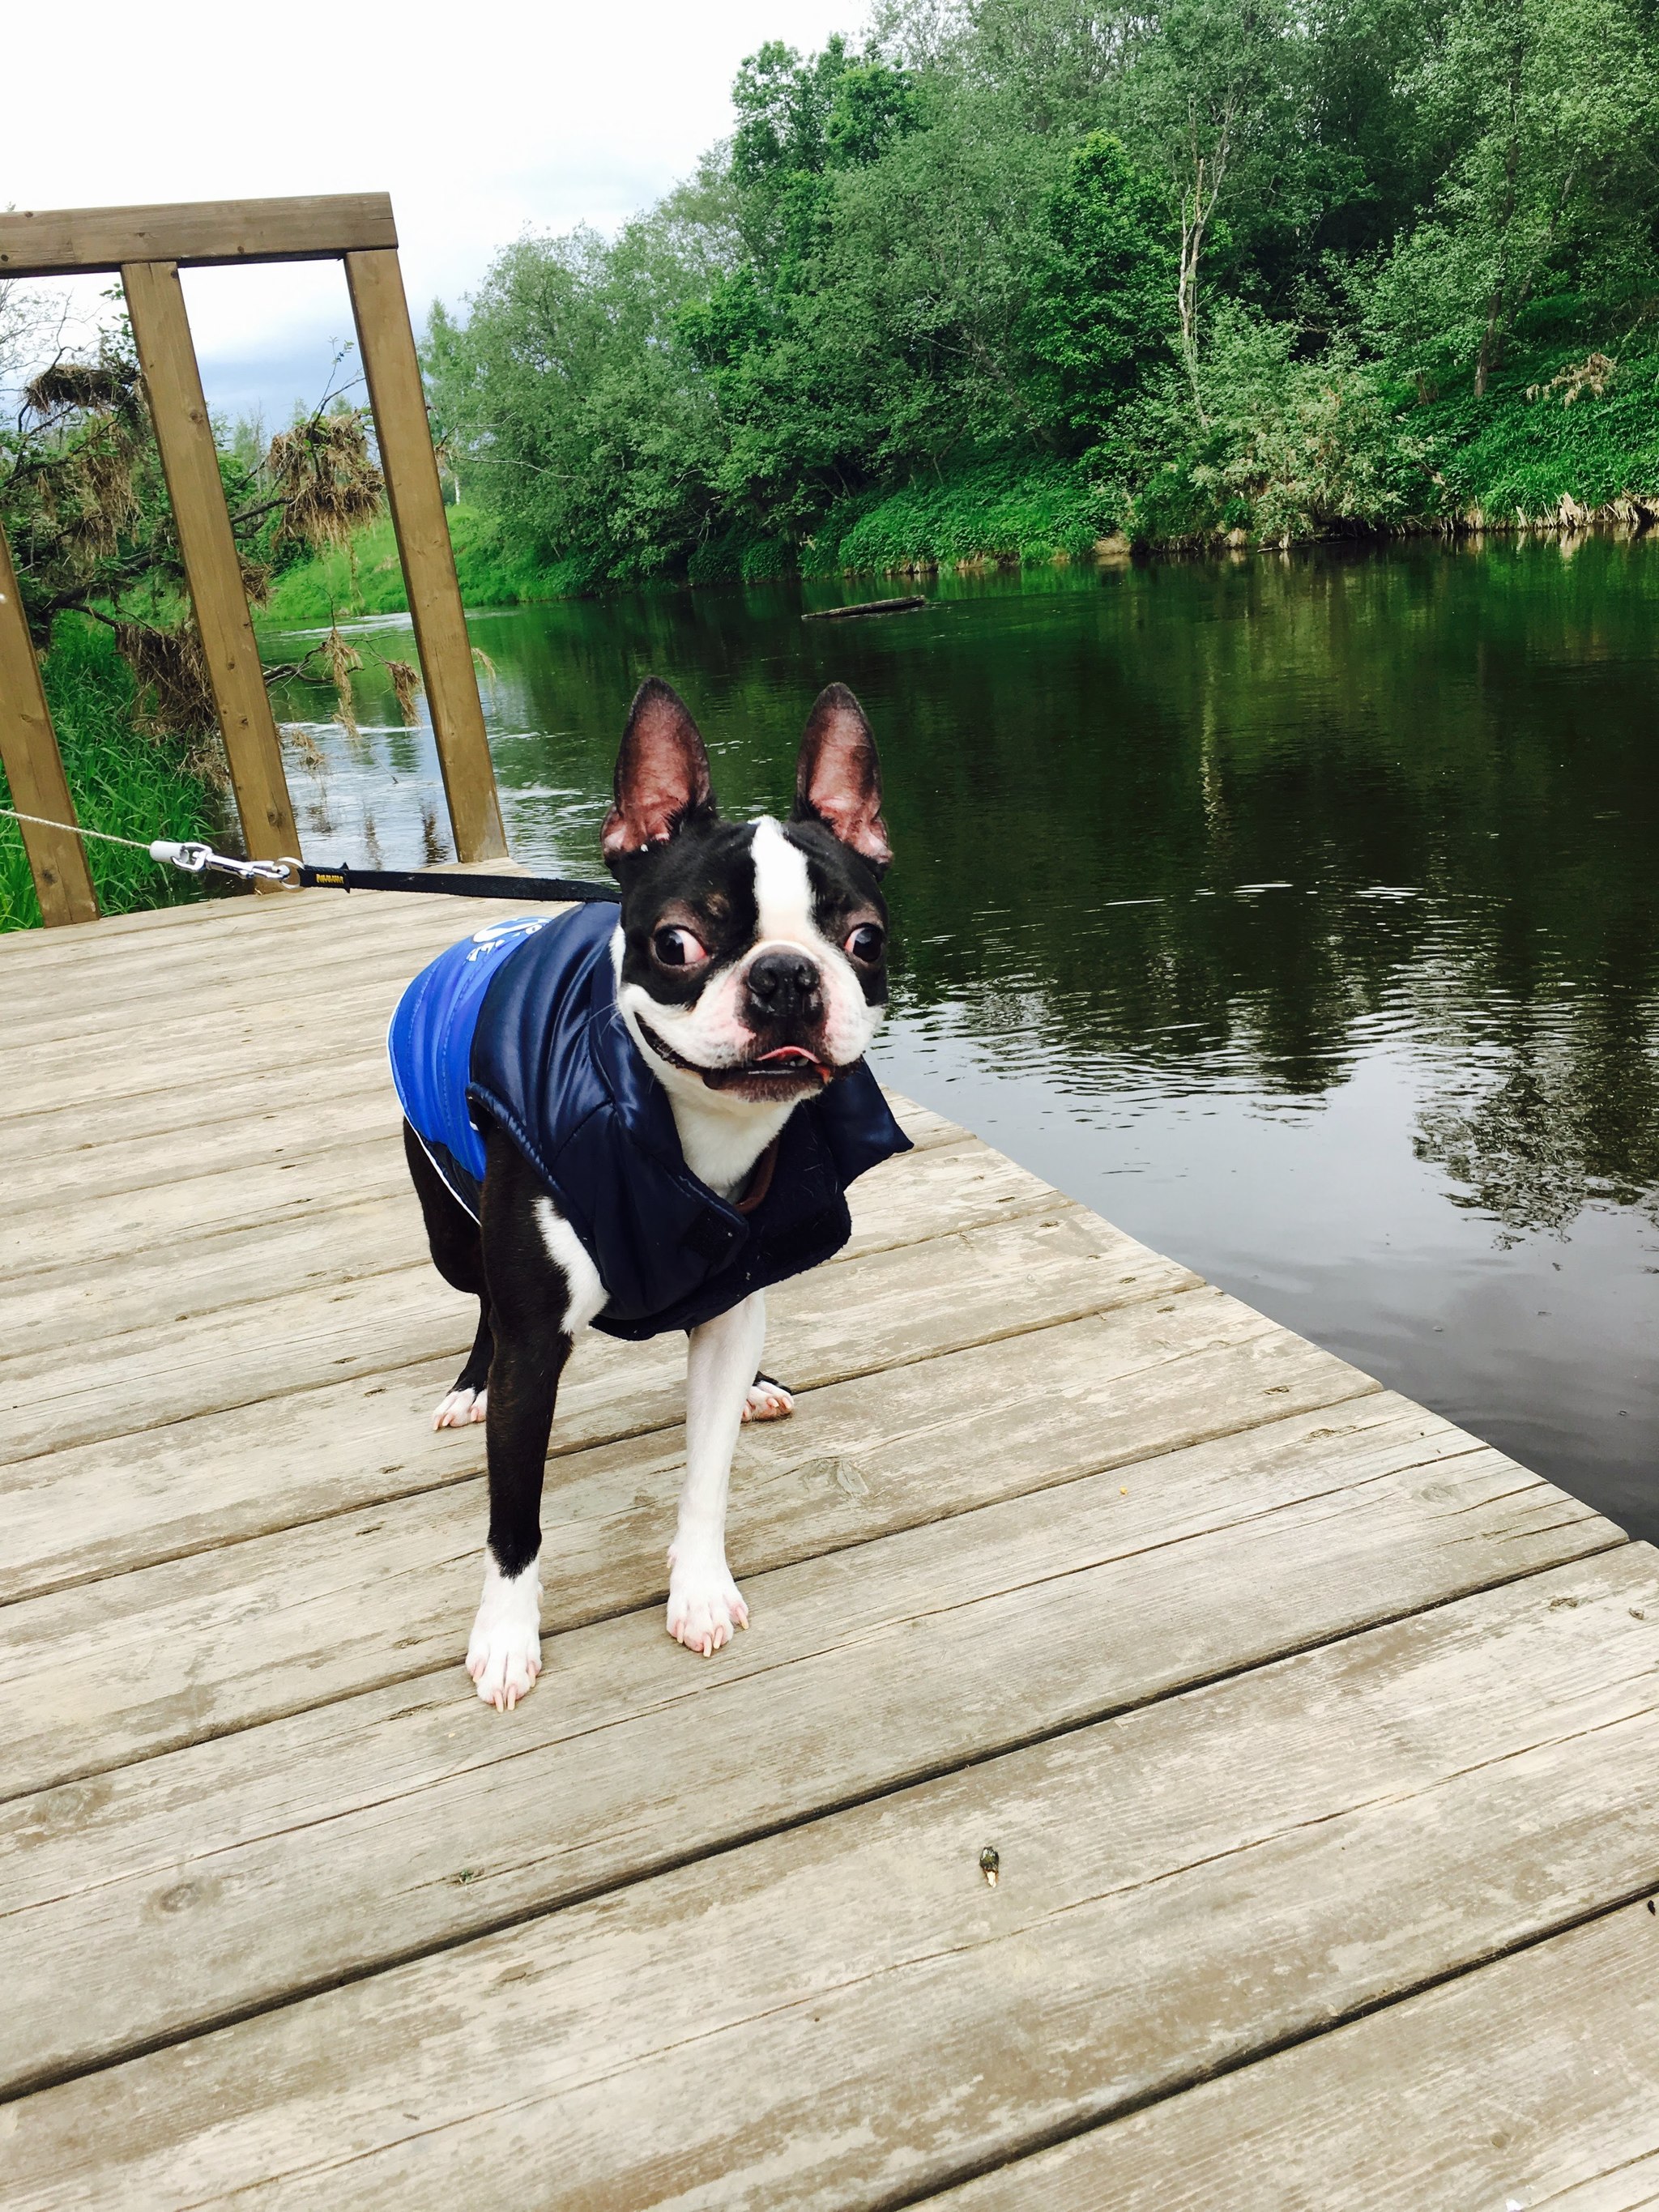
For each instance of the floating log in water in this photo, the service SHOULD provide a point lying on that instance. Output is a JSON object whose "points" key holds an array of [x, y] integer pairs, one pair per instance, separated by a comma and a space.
{"points": [[867, 607]]}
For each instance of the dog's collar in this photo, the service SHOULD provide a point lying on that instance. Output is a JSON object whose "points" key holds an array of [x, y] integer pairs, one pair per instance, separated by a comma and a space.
{"points": [[760, 1178]]}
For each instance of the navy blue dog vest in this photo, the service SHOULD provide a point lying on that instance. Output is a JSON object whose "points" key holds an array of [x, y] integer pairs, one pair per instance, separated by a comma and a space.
{"points": [[518, 1027]]}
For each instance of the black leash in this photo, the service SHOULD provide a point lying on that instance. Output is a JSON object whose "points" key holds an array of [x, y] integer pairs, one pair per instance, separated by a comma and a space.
{"points": [[534, 889], [195, 858]]}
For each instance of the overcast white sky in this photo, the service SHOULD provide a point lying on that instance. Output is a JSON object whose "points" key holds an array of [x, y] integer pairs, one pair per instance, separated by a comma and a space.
{"points": [[479, 121]]}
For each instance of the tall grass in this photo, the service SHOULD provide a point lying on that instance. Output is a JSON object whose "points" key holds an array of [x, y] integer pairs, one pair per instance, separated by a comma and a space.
{"points": [[367, 579], [131, 785], [1512, 456]]}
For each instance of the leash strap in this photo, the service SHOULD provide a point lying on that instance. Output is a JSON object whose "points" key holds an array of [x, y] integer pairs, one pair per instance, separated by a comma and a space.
{"points": [[530, 889], [196, 859]]}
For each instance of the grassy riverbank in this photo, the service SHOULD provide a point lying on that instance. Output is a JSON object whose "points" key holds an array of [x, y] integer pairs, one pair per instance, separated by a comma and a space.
{"points": [[131, 785], [367, 580]]}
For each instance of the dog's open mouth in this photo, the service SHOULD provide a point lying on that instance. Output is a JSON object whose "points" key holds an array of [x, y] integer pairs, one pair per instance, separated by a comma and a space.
{"points": [[784, 1065]]}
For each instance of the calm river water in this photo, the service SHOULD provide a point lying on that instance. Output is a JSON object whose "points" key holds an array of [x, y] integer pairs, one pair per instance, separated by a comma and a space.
{"points": [[1301, 915]]}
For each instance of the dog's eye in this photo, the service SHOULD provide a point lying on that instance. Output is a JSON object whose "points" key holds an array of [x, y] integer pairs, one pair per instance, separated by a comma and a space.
{"points": [[678, 948], [866, 942]]}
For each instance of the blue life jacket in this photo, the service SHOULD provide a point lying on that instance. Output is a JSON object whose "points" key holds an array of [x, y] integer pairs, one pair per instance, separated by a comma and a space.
{"points": [[518, 1026]]}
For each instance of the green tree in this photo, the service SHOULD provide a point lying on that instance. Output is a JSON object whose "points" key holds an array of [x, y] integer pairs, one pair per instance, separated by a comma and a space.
{"points": [[1102, 297], [1550, 110]]}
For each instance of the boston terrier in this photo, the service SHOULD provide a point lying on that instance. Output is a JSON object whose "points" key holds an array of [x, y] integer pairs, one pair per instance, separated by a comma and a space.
{"points": [[637, 1117]]}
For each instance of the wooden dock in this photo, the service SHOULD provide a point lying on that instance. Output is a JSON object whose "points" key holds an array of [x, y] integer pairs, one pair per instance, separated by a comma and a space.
{"points": [[1319, 1742]]}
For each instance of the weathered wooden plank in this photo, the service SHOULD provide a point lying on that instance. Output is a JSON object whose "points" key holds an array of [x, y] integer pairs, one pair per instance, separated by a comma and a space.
{"points": [[34, 768], [257, 1039], [196, 1171], [202, 1886], [58, 1006], [75, 1515], [405, 438], [204, 1246], [908, 1302], [92, 1509], [847, 2013], [1535, 2081], [355, 1600], [226, 1125], [197, 233], [149, 943], [173, 386]]}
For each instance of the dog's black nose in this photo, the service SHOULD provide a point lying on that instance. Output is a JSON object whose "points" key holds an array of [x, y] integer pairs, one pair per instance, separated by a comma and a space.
{"points": [[783, 985]]}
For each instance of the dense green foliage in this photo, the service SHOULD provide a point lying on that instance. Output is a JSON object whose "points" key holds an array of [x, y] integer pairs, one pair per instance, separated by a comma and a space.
{"points": [[131, 785], [1017, 274]]}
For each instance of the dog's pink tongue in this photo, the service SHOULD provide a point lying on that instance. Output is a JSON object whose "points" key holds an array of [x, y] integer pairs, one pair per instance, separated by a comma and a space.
{"points": [[790, 1052]]}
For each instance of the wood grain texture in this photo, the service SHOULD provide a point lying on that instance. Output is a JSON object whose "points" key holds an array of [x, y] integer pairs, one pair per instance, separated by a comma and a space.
{"points": [[336, 1213], [1044, 1400], [193, 1888], [197, 233], [346, 1603], [34, 768], [405, 438], [1533, 2080], [173, 387], [846, 2013], [975, 1286]]}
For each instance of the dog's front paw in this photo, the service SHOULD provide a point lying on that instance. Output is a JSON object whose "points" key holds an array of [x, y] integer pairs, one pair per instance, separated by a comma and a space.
{"points": [[504, 1653], [460, 1408], [705, 1607]]}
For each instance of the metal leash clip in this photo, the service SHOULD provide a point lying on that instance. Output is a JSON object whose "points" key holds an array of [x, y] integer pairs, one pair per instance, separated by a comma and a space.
{"points": [[195, 858]]}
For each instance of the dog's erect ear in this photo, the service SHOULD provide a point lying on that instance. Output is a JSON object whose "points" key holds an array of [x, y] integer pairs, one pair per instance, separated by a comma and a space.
{"points": [[662, 774], [838, 776]]}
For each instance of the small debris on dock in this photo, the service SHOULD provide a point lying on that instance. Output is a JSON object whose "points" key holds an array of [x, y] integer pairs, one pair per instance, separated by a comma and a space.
{"points": [[867, 607], [990, 1864]]}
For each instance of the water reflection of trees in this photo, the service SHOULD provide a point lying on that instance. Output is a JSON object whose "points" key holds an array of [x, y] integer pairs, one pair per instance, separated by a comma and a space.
{"points": [[1572, 1120]]}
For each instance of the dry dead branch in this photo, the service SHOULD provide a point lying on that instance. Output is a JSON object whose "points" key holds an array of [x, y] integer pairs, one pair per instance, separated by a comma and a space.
{"points": [[341, 659], [91, 388], [171, 668], [405, 685], [1592, 374], [321, 469]]}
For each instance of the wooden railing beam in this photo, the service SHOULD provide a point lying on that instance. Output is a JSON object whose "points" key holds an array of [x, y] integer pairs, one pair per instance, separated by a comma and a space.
{"points": [[404, 437], [194, 234], [34, 767], [160, 330]]}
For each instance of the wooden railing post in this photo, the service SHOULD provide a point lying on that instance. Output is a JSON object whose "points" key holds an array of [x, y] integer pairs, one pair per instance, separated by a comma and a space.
{"points": [[34, 767], [160, 330], [404, 437]]}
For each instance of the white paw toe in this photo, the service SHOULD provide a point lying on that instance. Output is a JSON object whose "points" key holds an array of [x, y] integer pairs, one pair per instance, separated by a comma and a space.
{"points": [[504, 1655], [460, 1408], [767, 1401], [705, 1607]]}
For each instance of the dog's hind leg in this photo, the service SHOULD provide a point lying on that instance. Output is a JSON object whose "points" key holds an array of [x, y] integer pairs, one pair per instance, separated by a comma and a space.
{"points": [[543, 1288], [768, 1400], [705, 1609], [458, 1255]]}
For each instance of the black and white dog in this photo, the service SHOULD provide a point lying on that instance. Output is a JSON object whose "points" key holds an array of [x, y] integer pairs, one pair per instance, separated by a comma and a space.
{"points": [[638, 1118]]}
